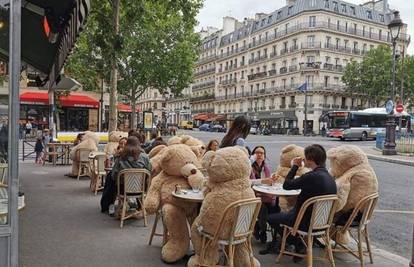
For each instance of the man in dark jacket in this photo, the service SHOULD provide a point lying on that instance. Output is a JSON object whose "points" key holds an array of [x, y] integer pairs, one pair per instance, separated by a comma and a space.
{"points": [[318, 182]]}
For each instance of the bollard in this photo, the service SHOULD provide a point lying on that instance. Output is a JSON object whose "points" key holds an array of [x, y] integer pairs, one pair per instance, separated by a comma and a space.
{"points": [[412, 251]]}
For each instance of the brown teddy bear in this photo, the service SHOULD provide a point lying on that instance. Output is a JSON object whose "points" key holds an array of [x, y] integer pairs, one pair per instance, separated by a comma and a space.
{"points": [[113, 143], [287, 154], [155, 156], [355, 179], [90, 141], [226, 184], [196, 145], [175, 211]]}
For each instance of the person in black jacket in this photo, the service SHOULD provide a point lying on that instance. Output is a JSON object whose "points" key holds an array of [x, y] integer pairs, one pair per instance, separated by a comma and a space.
{"points": [[318, 182]]}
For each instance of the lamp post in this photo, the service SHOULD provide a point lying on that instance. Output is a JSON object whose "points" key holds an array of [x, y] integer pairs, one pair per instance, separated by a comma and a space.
{"points": [[389, 145]]}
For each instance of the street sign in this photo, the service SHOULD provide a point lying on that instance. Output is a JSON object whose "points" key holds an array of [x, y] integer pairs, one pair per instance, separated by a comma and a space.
{"points": [[399, 108], [389, 106]]}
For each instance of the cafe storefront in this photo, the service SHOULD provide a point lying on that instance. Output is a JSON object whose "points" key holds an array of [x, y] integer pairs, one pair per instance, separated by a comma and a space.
{"points": [[279, 122]]}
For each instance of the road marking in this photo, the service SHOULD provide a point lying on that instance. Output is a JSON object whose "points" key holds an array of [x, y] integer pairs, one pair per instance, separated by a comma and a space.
{"points": [[395, 211]]}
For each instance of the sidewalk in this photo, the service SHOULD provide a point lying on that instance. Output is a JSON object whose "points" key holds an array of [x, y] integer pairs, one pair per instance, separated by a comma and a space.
{"points": [[62, 226], [376, 154]]}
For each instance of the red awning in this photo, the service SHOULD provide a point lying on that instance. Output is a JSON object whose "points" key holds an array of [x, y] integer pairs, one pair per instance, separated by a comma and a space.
{"points": [[34, 98], [81, 101], [42, 98], [201, 117], [126, 108]]}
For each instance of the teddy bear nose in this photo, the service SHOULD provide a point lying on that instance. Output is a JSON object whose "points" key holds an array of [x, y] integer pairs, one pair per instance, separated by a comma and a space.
{"points": [[193, 171], [203, 147]]}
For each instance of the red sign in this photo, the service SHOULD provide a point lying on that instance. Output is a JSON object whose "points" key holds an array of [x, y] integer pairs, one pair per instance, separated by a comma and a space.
{"points": [[399, 108]]}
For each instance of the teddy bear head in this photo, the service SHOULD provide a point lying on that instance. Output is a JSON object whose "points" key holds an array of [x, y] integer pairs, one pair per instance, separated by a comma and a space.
{"points": [[115, 136], [156, 150], [91, 136], [290, 152], [175, 140], [175, 157], [345, 157], [227, 164]]}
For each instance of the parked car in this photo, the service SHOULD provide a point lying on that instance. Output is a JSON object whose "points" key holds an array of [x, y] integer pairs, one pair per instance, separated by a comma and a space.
{"points": [[253, 130], [186, 125], [204, 127], [266, 131], [218, 128]]}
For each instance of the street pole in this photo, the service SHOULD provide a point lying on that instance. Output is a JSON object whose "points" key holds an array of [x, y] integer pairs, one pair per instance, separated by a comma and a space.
{"points": [[402, 85], [305, 128], [102, 107], [13, 137], [412, 251]]}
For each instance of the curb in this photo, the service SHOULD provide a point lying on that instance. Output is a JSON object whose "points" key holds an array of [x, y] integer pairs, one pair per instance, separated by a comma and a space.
{"points": [[390, 256], [391, 160]]}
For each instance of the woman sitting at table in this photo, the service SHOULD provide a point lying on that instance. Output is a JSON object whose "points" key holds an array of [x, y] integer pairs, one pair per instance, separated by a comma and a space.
{"points": [[131, 157], [260, 171]]}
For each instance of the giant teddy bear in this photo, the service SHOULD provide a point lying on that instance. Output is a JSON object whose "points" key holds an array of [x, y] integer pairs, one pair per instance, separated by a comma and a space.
{"points": [[175, 211], [90, 141], [229, 171], [113, 143], [355, 179], [288, 153], [195, 144]]}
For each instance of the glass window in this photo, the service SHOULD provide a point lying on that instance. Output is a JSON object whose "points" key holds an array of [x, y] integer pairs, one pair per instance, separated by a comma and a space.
{"points": [[335, 6], [312, 21], [326, 3], [369, 14], [352, 8]]}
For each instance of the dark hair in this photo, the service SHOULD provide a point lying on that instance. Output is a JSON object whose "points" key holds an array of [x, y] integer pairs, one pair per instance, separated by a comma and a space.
{"points": [[131, 149], [316, 153], [262, 147], [154, 135], [239, 129], [140, 136], [210, 143]]}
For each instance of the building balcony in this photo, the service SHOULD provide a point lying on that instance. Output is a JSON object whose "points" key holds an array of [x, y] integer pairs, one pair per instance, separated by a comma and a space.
{"points": [[326, 106], [339, 68], [273, 55], [334, 106], [293, 68], [272, 107], [328, 66], [310, 105], [292, 105], [205, 72], [311, 45], [229, 82], [344, 107], [203, 85], [283, 106], [309, 66], [255, 76], [284, 51], [202, 98], [206, 59], [272, 72], [283, 70]]}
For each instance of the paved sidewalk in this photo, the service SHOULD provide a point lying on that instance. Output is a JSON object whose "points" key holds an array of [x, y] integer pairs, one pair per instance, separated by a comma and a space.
{"points": [[376, 154], [62, 226]]}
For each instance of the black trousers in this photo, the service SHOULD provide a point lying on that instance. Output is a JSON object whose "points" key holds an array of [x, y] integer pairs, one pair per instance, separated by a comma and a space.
{"points": [[265, 210], [109, 193], [286, 218]]}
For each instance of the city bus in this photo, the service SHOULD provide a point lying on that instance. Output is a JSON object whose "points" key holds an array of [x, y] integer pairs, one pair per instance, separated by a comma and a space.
{"points": [[362, 125]]}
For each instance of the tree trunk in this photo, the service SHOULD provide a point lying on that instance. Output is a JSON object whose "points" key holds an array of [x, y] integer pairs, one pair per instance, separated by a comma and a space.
{"points": [[133, 109], [113, 112]]}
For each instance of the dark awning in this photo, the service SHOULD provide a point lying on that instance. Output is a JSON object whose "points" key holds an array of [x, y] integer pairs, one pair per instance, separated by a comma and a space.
{"points": [[42, 55]]}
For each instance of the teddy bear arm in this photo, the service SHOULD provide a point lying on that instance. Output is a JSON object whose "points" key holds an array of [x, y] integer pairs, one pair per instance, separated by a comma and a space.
{"points": [[153, 198], [196, 180]]}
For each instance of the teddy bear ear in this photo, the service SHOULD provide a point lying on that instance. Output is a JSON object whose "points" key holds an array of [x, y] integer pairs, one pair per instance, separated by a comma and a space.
{"points": [[208, 159], [195, 150], [288, 148]]}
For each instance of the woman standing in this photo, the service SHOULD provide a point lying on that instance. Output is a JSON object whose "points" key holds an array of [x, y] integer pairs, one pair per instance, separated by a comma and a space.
{"points": [[237, 134], [212, 145]]}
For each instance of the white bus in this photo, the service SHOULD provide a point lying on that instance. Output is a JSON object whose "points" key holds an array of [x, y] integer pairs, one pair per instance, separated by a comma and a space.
{"points": [[362, 125]]}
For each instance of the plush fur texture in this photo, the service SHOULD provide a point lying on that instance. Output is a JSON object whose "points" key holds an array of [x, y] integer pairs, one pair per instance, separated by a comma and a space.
{"points": [[196, 145], [90, 141], [287, 154], [193, 174], [155, 156], [354, 176], [175, 211], [226, 184], [113, 143]]}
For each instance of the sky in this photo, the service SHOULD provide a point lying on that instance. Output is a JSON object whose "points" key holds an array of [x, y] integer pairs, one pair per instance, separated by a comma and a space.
{"points": [[214, 10]]}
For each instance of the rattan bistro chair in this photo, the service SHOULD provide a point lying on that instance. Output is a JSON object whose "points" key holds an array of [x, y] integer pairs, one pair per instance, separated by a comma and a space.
{"points": [[164, 234], [243, 214], [98, 173], [84, 162], [365, 207], [134, 183], [323, 210]]}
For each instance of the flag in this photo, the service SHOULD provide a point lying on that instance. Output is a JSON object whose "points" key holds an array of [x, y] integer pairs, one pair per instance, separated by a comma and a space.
{"points": [[303, 87]]}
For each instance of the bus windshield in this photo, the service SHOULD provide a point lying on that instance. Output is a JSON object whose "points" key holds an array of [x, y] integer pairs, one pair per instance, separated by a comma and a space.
{"points": [[338, 120]]}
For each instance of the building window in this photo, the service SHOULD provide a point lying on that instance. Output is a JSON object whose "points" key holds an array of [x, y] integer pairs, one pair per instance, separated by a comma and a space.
{"points": [[326, 3], [369, 14], [313, 3], [326, 81], [279, 15], [328, 41], [269, 19], [337, 43], [312, 21], [343, 8], [284, 83], [381, 17], [335, 6], [338, 24], [273, 84], [352, 8], [311, 40], [290, 10]]}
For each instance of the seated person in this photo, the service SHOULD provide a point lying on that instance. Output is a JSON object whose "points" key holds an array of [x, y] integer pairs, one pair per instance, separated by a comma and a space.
{"points": [[317, 182], [131, 156], [260, 171]]}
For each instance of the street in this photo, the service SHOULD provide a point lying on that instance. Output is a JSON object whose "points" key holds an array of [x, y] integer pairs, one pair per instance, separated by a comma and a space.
{"points": [[392, 224]]}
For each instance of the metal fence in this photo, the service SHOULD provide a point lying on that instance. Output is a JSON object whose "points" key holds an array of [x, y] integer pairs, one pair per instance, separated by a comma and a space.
{"points": [[405, 143]]}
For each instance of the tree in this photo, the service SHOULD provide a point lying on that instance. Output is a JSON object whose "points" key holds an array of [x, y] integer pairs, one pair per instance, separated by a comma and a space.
{"points": [[159, 50], [152, 46]]}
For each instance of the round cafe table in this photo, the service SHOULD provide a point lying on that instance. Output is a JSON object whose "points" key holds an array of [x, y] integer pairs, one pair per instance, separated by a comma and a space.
{"points": [[276, 190], [190, 195], [92, 155]]}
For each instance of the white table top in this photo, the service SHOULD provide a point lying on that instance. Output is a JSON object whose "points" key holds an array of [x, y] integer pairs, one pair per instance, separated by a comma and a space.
{"points": [[4, 205], [92, 155], [189, 195], [276, 190]]}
